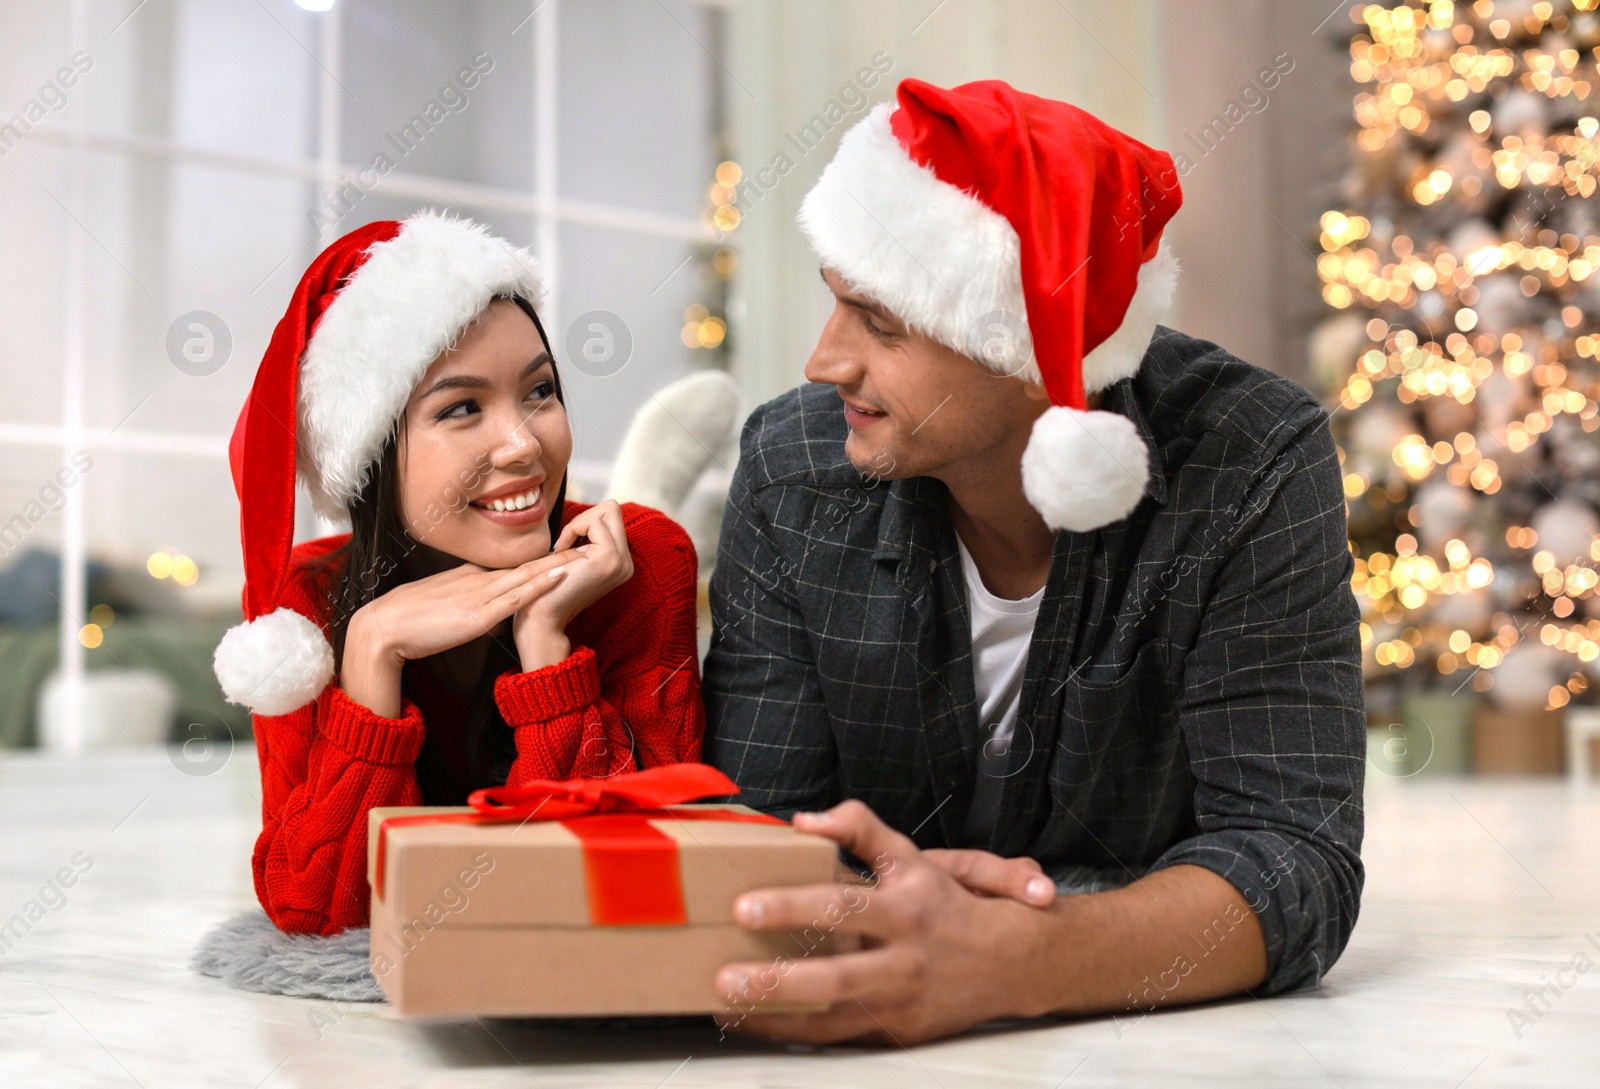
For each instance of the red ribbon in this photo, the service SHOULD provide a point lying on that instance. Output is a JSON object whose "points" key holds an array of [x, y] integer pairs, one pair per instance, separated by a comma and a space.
{"points": [[630, 867]]}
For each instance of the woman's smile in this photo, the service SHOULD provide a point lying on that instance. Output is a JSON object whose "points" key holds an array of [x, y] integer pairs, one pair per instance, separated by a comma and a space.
{"points": [[518, 504]]}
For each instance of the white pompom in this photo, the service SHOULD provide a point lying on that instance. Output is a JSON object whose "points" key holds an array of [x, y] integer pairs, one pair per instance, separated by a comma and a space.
{"points": [[274, 664], [1084, 469]]}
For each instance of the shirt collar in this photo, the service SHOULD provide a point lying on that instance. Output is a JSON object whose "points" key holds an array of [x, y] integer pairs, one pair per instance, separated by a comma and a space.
{"points": [[1123, 396], [913, 510]]}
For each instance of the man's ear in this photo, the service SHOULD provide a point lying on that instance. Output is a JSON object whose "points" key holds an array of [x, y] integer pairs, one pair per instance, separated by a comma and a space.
{"points": [[1035, 391]]}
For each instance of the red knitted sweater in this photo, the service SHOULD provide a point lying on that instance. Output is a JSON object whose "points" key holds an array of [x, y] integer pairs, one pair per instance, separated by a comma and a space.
{"points": [[631, 682]]}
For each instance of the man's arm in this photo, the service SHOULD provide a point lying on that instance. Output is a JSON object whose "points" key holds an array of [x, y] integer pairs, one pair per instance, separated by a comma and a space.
{"points": [[767, 726], [1263, 898], [1273, 717]]}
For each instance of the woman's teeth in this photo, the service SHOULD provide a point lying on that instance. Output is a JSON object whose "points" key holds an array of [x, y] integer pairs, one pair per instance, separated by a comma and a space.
{"points": [[514, 502]]}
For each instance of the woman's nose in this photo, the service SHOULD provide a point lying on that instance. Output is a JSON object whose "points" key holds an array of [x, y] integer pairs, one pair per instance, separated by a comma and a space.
{"points": [[520, 443]]}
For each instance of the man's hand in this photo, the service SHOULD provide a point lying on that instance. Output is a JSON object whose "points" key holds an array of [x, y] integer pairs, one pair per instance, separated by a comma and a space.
{"points": [[1022, 879], [940, 941], [933, 957]]}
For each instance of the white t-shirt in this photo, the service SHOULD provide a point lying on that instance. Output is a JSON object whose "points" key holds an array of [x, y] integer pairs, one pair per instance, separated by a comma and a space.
{"points": [[1001, 631]]}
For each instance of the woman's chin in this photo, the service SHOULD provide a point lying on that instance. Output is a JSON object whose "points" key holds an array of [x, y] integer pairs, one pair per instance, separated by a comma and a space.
{"points": [[498, 549]]}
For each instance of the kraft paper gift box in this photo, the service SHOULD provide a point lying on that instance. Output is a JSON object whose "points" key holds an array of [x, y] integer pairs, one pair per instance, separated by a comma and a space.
{"points": [[620, 912]]}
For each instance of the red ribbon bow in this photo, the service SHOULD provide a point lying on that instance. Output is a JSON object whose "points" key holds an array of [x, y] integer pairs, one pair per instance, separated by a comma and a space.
{"points": [[631, 867]]}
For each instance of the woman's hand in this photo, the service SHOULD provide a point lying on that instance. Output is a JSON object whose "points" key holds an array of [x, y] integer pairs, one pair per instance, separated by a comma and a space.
{"points": [[589, 571], [433, 614]]}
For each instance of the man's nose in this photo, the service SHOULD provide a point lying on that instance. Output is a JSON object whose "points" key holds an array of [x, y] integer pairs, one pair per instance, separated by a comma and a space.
{"points": [[833, 361]]}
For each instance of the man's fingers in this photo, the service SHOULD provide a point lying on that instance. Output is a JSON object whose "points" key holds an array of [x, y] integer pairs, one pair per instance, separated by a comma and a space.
{"points": [[1020, 879], [815, 912], [873, 976], [854, 826]]}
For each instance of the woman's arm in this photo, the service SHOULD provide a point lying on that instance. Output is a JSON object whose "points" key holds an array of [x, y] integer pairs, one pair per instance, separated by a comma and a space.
{"points": [[370, 672], [324, 765], [630, 700], [322, 768]]}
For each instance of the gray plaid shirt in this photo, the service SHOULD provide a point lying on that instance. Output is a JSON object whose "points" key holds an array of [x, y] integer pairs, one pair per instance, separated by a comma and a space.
{"points": [[1193, 686]]}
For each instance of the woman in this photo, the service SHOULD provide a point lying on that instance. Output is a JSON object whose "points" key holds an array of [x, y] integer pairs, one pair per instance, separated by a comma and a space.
{"points": [[474, 628]]}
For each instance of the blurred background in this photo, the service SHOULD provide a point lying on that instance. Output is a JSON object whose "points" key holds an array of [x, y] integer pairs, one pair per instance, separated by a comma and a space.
{"points": [[1390, 203]]}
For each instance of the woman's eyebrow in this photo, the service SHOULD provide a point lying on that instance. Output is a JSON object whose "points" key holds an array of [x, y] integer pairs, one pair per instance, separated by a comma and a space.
{"points": [[472, 381]]}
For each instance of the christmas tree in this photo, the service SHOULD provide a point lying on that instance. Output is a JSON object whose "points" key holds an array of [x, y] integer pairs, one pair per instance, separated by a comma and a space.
{"points": [[1460, 363]]}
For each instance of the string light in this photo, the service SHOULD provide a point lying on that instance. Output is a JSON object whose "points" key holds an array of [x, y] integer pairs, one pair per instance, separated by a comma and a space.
{"points": [[724, 194], [1422, 66], [702, 329], [180, 569]]}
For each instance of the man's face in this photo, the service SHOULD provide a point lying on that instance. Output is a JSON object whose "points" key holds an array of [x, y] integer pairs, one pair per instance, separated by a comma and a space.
{"points": [[914, 406]]}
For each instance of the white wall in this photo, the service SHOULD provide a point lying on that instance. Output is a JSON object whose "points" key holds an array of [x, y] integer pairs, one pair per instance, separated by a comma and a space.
{"points": [[1247, 234], [793, 56], [1160, 70]]}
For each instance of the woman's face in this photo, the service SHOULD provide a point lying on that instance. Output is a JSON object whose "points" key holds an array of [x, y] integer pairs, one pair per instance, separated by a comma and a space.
{"points": [[483, 425]]}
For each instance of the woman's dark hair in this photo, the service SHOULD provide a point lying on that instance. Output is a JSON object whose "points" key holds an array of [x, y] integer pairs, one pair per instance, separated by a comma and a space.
{"points": [[378, 557]]}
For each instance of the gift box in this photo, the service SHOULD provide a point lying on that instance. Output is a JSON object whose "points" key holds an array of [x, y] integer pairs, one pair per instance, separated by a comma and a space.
{"points": [[580, 898]]}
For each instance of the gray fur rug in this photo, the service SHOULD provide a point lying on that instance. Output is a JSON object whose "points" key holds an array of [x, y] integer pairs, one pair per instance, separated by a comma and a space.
{"points": [[248, 951]]}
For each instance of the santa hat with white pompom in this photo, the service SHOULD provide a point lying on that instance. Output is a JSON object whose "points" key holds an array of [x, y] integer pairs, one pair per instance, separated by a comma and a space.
{"points": [[987, 218], [368, 317]]}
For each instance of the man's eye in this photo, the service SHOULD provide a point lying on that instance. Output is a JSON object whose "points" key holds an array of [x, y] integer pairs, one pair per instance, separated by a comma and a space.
{"points": [[875, 329]]}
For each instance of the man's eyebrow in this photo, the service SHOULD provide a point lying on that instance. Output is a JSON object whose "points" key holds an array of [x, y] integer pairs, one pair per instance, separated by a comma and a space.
{"points": [[860, 302], [472, 381]]}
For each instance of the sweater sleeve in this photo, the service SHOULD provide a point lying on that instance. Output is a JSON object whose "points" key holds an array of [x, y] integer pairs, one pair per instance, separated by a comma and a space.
{"points": [[322, 767], [633, 702]]}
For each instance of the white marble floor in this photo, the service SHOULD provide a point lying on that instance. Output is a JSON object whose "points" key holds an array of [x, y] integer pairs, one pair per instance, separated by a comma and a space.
{"points": [[1476, 892]]}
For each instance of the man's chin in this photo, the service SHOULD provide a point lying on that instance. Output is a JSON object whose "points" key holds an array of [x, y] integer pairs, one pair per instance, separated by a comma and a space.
{"points": [[871, 458]]}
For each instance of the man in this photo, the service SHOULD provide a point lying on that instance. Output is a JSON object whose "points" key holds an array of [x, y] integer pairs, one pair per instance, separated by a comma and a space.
{"points": [[1032, 595]]}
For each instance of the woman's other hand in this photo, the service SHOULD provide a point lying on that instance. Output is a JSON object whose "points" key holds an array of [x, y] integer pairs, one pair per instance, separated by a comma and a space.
{"points": [[591, 559]]}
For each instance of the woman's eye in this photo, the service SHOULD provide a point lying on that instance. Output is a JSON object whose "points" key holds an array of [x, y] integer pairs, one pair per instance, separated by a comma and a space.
{"points": [[451, 414], [541, 390]]}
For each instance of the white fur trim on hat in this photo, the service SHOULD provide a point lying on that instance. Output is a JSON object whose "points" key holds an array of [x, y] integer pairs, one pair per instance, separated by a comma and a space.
{"points": [[407, 303], [941, 260], [947, 264], [274, 664], [1084, 469], [1121, 353]]}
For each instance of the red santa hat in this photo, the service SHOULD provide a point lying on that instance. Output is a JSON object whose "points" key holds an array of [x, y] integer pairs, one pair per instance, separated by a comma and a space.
{"points": [[980, 206], [368, 317]]}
